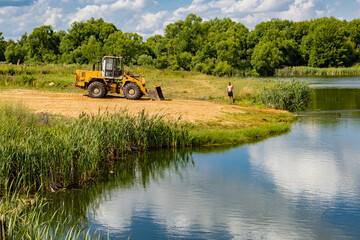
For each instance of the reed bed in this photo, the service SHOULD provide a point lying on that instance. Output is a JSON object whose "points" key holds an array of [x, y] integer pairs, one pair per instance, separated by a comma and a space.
{"points": [[311, 71], [287, 95], [24, 216], [50, 151]]}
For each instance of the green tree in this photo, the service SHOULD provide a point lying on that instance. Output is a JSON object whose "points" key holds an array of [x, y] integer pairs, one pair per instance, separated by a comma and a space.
{"points": [[184, 60], [233, 44], [80, 32], [301, 29], [17, 50], [290, 52], [156, 45], [329, 46], [92, 51], [222, 68], [3, 45], [353, 33], [128, 45], [266, 58], [145, 60], [43, 44]]}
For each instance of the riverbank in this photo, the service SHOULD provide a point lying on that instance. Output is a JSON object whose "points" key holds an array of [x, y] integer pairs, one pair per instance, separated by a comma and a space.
{"points": [[79, 135], [48, 151]]}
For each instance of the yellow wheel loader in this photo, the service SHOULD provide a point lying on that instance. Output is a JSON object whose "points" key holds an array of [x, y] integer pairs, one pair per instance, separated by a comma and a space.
{"points": [[112, 79]]}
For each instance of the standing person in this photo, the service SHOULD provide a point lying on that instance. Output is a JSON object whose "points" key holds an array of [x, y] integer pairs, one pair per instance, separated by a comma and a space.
{"points": [[230, 92]]}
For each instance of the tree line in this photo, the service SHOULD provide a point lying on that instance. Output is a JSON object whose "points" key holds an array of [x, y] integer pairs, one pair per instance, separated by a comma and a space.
{"points": [[218, 46]]}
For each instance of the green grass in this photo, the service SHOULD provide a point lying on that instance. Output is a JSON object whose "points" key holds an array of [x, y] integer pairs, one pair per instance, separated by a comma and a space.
{"points": [[24, 217], [242, 128], [51, 150], [311, 71], [199, 86], [39, 77]]}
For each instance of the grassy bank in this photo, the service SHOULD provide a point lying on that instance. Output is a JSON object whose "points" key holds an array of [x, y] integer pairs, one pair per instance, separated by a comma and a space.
{"points": [[241, 128], [42, 151], [51, 151]]}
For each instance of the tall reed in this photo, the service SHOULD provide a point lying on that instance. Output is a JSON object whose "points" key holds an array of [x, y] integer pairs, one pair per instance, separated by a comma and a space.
{"points": [[288, 95], [54, 151], [24, 217], [312, 71]]}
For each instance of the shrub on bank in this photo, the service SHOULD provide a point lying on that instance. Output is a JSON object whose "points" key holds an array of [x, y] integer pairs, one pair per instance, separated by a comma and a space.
{"points": [[290, 95]]}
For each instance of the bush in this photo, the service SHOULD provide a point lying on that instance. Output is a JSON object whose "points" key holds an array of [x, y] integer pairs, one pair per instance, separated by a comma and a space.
{"points": [[222, 69], [27, 80], [266, 58], [145, 60], [184, 60], [291, 95]]}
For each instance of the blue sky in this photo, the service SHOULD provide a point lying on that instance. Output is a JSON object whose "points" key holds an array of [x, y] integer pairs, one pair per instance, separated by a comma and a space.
{"points": [[149, 17]]}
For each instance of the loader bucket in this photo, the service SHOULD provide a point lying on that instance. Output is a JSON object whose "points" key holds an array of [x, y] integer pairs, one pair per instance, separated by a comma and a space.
{"points": [[156, 94]]}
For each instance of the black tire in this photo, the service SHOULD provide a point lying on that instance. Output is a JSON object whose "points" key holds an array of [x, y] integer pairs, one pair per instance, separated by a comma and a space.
{"points": [[132, 91], [97, 90]]}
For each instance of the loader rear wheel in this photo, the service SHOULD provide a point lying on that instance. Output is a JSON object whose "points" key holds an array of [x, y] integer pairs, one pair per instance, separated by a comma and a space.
{"points": [[132, 91], [97, 90]]}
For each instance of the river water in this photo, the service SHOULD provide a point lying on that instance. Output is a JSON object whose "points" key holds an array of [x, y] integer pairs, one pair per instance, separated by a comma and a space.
{"points": [[301, 185]]}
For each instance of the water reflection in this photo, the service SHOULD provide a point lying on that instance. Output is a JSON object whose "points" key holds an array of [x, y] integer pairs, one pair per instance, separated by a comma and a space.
{"points": [[318, 163], [216, 199], [137, 171], [335, 99], [303, 185]]}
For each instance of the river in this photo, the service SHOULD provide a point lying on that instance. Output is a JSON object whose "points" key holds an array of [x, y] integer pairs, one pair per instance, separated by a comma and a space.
{"points": [[301, 185]]}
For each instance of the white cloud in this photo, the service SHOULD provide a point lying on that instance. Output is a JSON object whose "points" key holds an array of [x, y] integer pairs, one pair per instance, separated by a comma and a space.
{"points": [[18, 20], [151, 21], [320, 13], [316, 171], [88, 12], [181, 203], [128, 4], [300, 10], [338, 3], [143, 16]]}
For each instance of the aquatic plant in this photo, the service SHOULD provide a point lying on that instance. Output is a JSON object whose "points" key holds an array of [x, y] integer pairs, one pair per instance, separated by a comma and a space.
{"points": [[312, 71], [287, 95], [24, 216], [53, 151]]}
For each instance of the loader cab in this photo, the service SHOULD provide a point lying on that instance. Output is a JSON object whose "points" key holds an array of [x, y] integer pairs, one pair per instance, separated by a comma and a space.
{"points": [[112, 67]]}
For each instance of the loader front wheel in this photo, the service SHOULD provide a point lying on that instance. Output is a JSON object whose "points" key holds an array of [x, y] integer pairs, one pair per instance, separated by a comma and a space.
{"points": [[132, 91], [97, 90]]}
